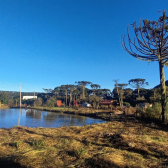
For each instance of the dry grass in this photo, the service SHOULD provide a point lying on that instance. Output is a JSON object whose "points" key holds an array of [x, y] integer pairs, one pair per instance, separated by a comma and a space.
{"points": [[4, 106], [111, 144]]}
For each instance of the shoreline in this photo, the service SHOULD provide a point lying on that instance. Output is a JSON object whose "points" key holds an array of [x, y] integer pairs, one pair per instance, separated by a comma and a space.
{"points": [[106, 115]]}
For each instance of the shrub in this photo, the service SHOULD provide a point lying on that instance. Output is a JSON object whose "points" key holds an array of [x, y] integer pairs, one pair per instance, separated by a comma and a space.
{"points": [[150, 112], [80, 153], [51, 102], [16, 144], [126, 104], [38, 102], [155, 111]]}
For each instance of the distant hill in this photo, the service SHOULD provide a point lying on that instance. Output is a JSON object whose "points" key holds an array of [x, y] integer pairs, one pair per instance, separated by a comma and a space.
{"points": [[166, 82], [14, 94]]}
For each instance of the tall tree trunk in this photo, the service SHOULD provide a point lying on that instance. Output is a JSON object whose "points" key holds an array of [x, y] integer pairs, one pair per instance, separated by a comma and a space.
{"points": [[138, 93], [66, 97], [119, 97], [70, 102], [83, 91], [163, 90]]}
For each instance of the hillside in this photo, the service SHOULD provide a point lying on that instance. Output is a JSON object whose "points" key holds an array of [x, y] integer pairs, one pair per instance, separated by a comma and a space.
{"points": [[157, 86], [15, 94]]}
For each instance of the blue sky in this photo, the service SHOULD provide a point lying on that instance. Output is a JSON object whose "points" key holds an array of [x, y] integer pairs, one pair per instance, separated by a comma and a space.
{"points": [[47, 43]]}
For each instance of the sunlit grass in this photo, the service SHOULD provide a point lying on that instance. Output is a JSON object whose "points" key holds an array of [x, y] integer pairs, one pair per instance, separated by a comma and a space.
{"points": [[110, 144]]}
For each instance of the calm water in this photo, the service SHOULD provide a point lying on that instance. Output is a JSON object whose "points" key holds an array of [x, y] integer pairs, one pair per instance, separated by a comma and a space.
{"points": [[36, 118]]}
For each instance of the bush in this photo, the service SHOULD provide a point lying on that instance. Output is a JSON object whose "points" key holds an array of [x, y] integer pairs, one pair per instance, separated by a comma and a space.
{"points": [[38, 102], [126, 104], [154, 112], [150, 112], [51, 102]]}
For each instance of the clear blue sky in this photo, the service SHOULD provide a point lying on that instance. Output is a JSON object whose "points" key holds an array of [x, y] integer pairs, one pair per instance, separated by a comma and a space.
{"points": [[47, 43]]}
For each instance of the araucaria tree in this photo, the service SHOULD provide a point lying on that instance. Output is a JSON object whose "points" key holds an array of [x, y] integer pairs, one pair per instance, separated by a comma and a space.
{"points": [[150, 44], [94, 87], [121, 86], [83, 84], [120, 92], [137, 83]]}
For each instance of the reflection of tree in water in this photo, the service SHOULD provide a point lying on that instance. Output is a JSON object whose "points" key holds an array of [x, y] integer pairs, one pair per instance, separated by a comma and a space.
{"points": [[19, 117], [80, 120], [33, 113], [50, 116], [73, 120]]}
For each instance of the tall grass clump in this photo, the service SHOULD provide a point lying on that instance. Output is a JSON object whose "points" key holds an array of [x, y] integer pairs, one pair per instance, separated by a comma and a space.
{"points": [[38, 143]]}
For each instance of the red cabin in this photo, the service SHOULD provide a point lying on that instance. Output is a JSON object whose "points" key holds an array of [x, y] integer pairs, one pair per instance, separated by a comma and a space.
{"points": [[59, 103], [75, 103]]}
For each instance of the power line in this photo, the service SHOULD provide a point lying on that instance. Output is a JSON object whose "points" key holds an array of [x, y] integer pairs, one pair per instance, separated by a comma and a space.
{"points": [[26, 89]]}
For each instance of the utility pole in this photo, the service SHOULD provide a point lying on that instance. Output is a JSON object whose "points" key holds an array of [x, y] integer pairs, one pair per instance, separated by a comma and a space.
{"points": [[34, 94], [20, 97]]}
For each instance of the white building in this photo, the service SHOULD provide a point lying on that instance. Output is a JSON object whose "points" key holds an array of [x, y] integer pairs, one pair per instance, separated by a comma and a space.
{"points": [[86, 104], [29, 97]]}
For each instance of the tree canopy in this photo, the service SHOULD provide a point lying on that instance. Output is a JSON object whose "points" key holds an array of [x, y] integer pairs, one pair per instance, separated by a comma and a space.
{"points": [[137, 83]]}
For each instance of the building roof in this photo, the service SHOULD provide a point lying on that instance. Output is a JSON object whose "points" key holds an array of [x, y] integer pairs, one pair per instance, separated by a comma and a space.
{"points": [[106, 102]]}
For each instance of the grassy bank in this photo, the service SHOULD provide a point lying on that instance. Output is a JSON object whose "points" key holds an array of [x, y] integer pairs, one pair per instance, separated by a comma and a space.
{"points": [[4, 107], [113, 114], [111, 144]]}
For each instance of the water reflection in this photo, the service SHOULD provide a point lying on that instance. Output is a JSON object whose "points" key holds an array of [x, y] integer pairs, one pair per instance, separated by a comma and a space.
{"points": [[33, 113], [19, 117], [50, 117], [36, 118]]}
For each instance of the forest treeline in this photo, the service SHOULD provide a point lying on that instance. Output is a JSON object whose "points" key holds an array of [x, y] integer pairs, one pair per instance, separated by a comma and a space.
{"points": [[124, 94]]}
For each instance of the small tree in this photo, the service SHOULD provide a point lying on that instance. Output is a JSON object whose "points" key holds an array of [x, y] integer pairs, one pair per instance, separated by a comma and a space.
{"points": [[38, 102], [51, 102], [137, 83], [151, 45], [95, 100]]}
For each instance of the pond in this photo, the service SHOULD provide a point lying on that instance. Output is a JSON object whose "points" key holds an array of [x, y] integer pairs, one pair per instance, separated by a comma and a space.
{"points": [[36, 118]]}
